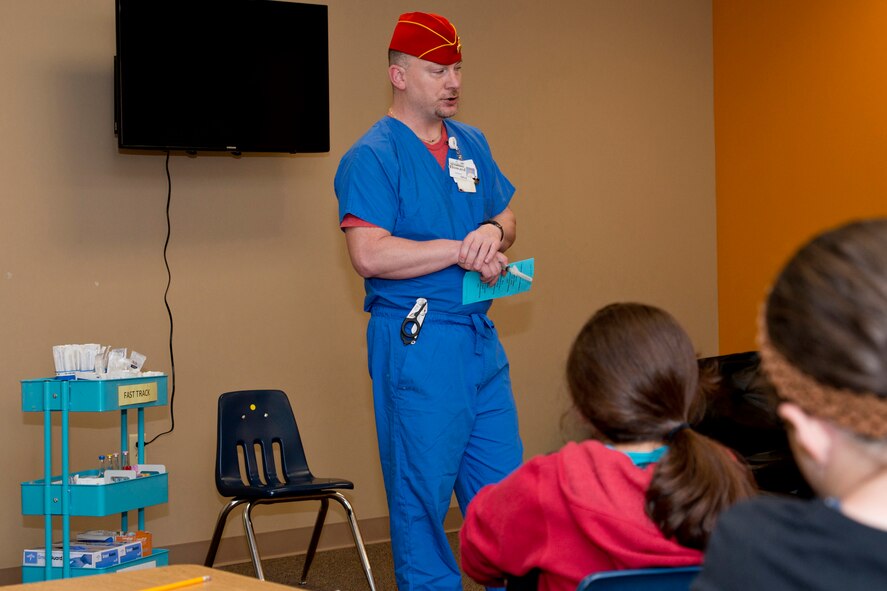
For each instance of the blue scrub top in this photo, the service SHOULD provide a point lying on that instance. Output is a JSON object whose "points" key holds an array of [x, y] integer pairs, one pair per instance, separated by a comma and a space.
{"points": [[389, 178]]}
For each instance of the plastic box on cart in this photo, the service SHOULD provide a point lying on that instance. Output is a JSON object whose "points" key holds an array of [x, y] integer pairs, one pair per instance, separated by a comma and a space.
{"points": [[33, 574], [86, 555]]}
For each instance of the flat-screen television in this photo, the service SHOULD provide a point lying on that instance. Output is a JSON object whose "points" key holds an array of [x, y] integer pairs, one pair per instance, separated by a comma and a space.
{"points": [[222, 75]]}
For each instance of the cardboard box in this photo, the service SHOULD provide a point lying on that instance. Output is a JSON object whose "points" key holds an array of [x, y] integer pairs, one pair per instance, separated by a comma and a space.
{"points": [[144, 537], [85, 555], [102, 536]]}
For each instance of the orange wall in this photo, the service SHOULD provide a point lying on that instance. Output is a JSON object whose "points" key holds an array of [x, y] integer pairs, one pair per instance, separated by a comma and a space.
{"points": [[800, 95]]}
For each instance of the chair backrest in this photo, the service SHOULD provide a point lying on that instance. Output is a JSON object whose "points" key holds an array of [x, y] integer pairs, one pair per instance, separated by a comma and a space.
{"points": [[740, 412], [644, 579], [251, 424], [527, 582]]}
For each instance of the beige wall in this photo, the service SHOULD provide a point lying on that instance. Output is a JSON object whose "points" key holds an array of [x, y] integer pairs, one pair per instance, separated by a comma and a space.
{"points": [[599, 111]]}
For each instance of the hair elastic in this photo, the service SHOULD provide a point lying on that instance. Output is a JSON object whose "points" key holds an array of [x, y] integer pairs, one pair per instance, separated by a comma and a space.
{"points": [[671, 434]]}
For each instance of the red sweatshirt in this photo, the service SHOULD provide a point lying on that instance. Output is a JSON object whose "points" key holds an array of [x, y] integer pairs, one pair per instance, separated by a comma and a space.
{"points": [[568, 514]]}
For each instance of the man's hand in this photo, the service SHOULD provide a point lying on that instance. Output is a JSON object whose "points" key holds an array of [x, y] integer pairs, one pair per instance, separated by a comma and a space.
{"points": [[480, 247], [490, 272]]}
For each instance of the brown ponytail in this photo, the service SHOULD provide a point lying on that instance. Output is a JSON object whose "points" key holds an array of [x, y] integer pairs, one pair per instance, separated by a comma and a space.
{"points": [[633, 374], [695, 480]]}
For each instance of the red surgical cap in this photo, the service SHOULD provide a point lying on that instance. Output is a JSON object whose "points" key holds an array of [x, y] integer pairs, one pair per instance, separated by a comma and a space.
{"points": [[427, 36]]}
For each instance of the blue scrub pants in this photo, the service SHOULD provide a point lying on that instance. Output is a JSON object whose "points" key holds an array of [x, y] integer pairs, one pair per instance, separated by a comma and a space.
{"points": [[446, 421]]}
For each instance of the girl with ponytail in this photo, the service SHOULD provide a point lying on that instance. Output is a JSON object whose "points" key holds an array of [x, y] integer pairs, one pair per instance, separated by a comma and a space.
{"points": [[644, 491]]}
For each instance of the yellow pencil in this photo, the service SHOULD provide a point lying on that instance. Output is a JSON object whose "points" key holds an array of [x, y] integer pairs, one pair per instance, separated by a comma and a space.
{"points": [[180, 584]]}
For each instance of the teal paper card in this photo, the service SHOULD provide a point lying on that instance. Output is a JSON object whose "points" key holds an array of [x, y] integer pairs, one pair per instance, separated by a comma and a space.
{"points": [[473, 290]]}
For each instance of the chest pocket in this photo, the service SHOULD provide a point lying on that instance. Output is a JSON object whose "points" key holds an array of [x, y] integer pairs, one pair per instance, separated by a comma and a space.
{"points": [[431, 206]]}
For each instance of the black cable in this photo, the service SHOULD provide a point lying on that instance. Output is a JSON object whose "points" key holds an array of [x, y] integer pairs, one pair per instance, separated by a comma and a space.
{"points": [[172, 359]]}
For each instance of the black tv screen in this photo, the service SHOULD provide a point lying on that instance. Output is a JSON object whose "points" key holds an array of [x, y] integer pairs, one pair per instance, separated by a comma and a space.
{"points": [[222, 75]]}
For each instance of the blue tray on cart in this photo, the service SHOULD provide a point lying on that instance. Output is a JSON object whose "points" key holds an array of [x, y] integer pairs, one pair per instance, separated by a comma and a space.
{"points": [[97, 500], [95, 395]]}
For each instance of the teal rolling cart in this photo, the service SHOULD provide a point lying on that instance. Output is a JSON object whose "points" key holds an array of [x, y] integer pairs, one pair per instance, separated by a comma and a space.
{"points": [[55, 496]]}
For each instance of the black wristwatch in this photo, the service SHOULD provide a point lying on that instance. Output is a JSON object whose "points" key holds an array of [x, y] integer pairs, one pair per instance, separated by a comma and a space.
{"points": [[498, 225]]}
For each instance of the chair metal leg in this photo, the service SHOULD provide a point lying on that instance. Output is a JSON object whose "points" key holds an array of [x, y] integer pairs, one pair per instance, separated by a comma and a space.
{"points": [[217, 533], [315, 538], [358, 540], [251, 540]]}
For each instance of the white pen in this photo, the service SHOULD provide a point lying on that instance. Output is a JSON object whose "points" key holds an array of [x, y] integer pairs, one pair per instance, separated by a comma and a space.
{"points": [[514, 271]]}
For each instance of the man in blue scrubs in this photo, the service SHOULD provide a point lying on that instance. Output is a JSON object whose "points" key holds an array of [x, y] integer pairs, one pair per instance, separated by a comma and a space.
{"points": [[422, 202]]}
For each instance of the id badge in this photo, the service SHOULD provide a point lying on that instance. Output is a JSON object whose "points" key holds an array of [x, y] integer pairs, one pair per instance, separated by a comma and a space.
{"points": [[458, 169], [464, 173]]}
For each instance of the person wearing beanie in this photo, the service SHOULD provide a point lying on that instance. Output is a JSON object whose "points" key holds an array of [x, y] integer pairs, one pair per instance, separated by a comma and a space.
{"points": [[823, 342], [421, 203]]}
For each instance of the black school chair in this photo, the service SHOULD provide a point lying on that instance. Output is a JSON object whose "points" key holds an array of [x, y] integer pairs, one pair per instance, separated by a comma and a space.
{"points": [[527, 582], [255, 427], [643, 579]]}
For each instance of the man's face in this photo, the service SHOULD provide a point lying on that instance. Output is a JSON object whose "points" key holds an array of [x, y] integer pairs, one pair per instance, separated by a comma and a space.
{"points": [[433, 89]]}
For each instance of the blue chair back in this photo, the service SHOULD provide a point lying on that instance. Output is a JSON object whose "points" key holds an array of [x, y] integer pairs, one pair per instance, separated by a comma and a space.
{"points": [[644, 579], [254, 421]]}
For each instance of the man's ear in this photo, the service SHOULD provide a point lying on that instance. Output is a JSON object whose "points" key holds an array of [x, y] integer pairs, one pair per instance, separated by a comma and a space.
{"points": [[396, 74], [811, 435]]}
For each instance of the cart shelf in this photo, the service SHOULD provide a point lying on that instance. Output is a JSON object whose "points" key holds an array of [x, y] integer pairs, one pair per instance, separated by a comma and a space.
{"points": [[94, 395], [96, 500]]}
